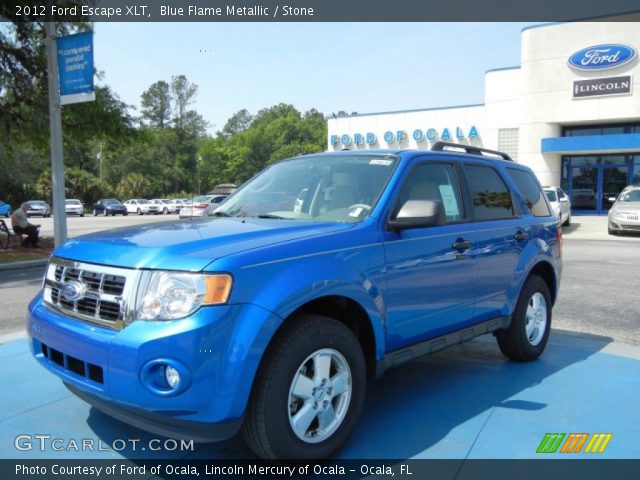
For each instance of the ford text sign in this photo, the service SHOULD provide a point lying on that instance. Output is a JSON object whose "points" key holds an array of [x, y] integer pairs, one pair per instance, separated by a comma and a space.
{"points": [[601, 57]]}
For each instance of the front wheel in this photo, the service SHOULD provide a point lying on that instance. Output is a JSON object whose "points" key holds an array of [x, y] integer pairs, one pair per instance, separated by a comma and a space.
{"points": [[308, 392], [567, 222], [527, 336]]}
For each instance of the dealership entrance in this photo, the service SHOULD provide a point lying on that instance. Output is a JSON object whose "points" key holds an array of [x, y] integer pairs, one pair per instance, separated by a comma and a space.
{"points": [[594, 181]]}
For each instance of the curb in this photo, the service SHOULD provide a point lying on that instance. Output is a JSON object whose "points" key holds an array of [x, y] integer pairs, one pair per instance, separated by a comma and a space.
{"points": [[22, 265]]}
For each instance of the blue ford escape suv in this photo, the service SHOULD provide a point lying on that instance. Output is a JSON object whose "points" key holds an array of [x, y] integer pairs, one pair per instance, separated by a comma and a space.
{"points": [[316, 276]]}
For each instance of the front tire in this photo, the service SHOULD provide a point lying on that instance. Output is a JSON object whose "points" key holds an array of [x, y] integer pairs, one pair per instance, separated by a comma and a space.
{"points": [[527, 336], [567, 222], [308, 392]]}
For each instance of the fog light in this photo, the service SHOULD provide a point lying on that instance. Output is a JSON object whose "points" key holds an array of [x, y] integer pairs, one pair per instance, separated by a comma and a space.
{"points": [[172, 377]]}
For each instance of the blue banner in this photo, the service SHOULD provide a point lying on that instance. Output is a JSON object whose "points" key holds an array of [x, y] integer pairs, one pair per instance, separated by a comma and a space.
{"points": [[75, 67]]}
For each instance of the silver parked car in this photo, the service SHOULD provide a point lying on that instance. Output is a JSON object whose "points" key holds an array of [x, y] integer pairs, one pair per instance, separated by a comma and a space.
{"points": [[560, 204], [38, 207], [624, 215], [202, 206]]}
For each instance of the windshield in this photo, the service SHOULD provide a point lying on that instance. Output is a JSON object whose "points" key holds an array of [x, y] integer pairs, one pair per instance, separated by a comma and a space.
{"points": [[327, 188], [111, 201], [73, 202], [551, 195], [630, 196], [201, 199], [36, 203]]}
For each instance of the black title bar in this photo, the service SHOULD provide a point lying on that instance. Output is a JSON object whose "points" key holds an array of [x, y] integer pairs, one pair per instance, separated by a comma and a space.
{"points": [[316, 10]]}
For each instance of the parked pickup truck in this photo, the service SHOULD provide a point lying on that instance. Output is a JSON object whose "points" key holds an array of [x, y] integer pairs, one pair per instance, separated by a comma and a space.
{"points": [[312, 279]]}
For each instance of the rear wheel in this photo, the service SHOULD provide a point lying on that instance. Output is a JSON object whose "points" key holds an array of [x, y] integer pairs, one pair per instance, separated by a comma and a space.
{"points": [[527, 336], [95, 212], [567, 222], [308, 393]]}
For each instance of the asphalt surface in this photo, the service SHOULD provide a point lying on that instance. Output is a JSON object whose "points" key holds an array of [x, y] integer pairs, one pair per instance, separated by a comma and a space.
{"points": [[82, 225], [598, 293]]}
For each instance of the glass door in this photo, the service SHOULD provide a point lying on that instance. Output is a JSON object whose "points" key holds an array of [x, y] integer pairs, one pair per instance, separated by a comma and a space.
{"points": [[584, 188], [614, 179]]}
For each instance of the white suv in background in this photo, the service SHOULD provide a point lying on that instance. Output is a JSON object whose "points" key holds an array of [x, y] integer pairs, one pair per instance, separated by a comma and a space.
{"points": [[141, 206], [560, 204], [166, 205]]}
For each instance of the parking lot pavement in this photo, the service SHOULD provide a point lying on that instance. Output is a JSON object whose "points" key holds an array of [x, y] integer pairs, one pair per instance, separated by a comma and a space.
{"points": [[467, 402], [88, 224]]}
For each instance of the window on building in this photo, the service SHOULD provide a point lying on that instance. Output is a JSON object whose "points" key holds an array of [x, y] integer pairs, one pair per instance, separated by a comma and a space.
{"points": [[508, 142], [490, 196], [531, 192], [611, 129]]}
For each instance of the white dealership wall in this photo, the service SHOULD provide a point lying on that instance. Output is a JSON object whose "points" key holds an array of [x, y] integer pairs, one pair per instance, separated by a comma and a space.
{"points": [[535, 98]]}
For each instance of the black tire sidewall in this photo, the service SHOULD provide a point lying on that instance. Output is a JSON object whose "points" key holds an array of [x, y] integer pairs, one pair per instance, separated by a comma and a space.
{"points": [[534, 284], [327, 333]]}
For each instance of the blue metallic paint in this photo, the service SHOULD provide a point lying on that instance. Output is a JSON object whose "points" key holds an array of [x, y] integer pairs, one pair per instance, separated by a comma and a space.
{"points": [[278, 266]]}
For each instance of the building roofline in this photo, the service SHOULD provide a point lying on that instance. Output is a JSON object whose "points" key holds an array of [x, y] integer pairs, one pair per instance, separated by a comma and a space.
{"points": [[517, 67], [582, 19], [330, 117]]}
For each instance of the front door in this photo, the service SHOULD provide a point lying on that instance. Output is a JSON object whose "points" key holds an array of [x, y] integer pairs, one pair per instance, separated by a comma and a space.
{"points": [[431, 278]]}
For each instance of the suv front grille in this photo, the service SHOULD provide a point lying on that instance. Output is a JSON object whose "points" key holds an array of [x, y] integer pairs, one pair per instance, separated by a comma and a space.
{"points": [[95, 293]]}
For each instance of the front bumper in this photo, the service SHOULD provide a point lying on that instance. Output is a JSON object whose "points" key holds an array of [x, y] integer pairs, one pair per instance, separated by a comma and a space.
{"points": [[220, 347], [624, 225]]}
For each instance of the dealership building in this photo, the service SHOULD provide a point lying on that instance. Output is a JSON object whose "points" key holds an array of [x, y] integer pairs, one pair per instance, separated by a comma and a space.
{"points": [[570, 111]]}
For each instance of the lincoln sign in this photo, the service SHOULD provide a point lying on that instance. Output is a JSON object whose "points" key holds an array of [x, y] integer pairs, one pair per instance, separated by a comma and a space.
{"points": [[598, 87]]}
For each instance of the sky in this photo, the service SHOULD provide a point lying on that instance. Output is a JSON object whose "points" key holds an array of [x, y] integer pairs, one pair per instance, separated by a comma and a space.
{"points": [[355, 67]]}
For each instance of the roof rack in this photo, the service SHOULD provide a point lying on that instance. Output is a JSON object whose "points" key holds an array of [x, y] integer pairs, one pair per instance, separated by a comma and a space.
{"points": [[440, 147]]}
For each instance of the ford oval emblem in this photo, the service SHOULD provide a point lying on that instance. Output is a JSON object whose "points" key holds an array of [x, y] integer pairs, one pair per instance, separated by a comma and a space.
{"points": [[602, 57], [72, 290]]}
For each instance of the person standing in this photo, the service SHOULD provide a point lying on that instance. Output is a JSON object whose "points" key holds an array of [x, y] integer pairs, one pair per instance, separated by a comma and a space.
{"points": [[21, 226]]}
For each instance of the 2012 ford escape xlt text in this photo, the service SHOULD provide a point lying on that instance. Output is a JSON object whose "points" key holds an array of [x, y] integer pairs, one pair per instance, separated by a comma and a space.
{"points": [[316, 276]]}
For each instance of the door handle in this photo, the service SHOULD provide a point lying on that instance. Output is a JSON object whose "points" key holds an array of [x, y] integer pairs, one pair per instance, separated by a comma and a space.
{"points": [[461, 245], [520, 236]]}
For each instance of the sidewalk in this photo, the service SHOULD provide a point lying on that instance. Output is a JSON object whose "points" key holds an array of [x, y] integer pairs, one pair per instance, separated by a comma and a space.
{"points": [[467, 402], [593, 227]]}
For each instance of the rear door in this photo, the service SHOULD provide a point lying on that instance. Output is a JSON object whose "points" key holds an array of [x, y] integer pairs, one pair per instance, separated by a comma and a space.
{"points": [[502, 234], [431, 273]]}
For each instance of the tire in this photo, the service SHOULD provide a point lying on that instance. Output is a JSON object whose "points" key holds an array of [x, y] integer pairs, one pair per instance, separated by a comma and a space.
{"points": [[125, 214], [139, 212], [82, 214], [268, 425], [165, 211], [95, 212], [527, 336], [567, 222]]}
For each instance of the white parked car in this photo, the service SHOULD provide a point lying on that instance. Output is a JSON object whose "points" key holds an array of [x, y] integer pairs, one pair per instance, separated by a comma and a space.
{"points": [[166, 206], [74, 207], [202, 206], [141, 206], [560, 204]]}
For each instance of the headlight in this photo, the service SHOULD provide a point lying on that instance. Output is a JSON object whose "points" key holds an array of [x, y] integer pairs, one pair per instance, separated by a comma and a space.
{"points": [[618, 214], [173, 295]]}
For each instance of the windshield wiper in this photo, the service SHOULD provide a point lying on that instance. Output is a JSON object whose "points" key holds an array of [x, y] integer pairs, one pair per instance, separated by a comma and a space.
{"points": [[220, 214], [269, 215]]}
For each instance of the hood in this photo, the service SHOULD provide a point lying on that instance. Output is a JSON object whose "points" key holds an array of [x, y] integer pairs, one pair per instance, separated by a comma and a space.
{"points": [[186, 245], [627, 207]]}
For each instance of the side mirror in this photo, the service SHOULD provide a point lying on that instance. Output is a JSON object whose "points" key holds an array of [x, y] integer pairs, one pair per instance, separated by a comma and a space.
{"points": [[612, 199], [564, 200], [417, 214]]}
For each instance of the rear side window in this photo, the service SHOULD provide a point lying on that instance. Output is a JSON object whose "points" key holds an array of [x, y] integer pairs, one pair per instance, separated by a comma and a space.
{"points": [[531, 192], [490, 196]]}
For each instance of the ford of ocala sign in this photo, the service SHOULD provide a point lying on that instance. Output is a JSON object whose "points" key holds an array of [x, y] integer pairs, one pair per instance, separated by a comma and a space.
{"points": [[602, 57]]}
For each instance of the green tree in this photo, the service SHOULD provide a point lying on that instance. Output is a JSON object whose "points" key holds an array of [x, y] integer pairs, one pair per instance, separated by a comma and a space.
{"points": [[156, 104], [135, 185], [238, 122], [183, 94]]}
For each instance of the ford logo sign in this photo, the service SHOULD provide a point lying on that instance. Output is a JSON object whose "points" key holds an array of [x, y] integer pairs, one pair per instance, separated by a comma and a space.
{"points": [[72, 290], [602, 57]]}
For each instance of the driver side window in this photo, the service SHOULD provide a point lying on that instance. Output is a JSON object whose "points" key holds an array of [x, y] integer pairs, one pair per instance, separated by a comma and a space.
{"points": [[436, 182]]}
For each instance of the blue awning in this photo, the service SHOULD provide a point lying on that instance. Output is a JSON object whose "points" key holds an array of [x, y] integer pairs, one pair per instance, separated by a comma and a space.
{"points": [[592, 144]]}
